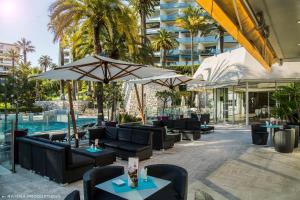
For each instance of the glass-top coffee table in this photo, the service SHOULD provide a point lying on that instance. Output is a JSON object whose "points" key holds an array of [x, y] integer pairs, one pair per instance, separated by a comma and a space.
{"points": [[102, 157], [143, 191], [271, 128]]}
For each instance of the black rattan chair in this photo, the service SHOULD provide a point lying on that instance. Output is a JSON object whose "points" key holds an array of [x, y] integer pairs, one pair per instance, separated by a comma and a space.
{"points": [[178, 176], [99, 175], [75, 195]]}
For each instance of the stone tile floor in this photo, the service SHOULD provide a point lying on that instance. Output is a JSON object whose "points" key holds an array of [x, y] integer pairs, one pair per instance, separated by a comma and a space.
{"points": [[224, 164]]}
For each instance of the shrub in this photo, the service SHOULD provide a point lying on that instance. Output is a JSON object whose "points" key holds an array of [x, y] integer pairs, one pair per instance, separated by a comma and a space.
{"points": [[34, 109], [125, 117]]}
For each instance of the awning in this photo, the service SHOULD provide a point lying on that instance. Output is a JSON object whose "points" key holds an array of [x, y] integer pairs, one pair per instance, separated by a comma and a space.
{"points": [[238, 66], [235, 18]]}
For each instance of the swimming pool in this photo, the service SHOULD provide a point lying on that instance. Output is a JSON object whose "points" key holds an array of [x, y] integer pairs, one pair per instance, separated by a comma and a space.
{"points": [[40, 126]]}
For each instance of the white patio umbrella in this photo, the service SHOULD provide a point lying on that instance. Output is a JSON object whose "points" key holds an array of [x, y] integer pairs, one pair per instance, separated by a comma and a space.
{"points": [[100, 69], [170, 81]]}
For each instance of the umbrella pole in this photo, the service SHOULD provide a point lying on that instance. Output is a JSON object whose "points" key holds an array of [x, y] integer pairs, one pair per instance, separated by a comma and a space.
{"points": [[72, 113], [139, 103]]}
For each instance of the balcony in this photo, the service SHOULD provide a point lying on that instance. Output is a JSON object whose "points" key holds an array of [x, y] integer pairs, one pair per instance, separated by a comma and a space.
{"points": [[182, 63], [172, 17], [150, 31], [173, 29], [175, 5], [207, 39], [153, 19]]}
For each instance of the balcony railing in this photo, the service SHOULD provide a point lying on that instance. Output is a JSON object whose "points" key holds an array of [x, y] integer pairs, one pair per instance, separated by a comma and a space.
{"points": [[152, 30], [172, 28], [172, 17], [175, 5], [207, 39]]}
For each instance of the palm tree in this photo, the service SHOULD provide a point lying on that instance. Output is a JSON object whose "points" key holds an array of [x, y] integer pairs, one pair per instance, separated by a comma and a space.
{"points": [[14, 56], [26, 47], [45, 62], [96, 15], [217, 30], [164, 42], [194, 21], [144, 8]]}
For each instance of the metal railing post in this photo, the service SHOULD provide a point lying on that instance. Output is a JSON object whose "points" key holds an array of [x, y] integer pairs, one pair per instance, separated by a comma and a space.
{"points": [[13, 167]]}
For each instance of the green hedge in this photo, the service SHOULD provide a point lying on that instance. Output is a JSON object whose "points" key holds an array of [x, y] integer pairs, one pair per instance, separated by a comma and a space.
{"points": [[34, 109]]}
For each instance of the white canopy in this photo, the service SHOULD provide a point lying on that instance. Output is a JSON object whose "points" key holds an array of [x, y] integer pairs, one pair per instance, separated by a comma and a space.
{"points": [[168, 80], [101, 69], [237, 66]]}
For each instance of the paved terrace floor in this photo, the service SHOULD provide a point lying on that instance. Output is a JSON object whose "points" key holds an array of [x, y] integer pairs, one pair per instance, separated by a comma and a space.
{"points": [[224, 164]]}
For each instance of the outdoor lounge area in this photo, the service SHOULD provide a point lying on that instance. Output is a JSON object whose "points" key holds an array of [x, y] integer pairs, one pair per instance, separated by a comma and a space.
{"points": [[225, 165], [150, 100]]}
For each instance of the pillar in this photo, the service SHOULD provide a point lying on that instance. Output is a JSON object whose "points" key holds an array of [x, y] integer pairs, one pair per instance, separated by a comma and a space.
{"points": [[247, 104]]}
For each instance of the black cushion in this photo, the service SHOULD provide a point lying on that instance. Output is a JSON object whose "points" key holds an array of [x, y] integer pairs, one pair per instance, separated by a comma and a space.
{"points": [[180, 124], [105, 140], [67, 147], [169, 123], [111, 133], [140, 137], [124, 134], [79, 161], [113, 144], [132, 147], [193, 125]]}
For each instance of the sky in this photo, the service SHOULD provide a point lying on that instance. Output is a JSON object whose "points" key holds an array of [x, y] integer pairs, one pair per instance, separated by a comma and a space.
{"points": [[29, 19]]}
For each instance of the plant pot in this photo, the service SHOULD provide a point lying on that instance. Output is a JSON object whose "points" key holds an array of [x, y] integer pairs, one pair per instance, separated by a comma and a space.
{"points": [[296, 127], [284, 140]]}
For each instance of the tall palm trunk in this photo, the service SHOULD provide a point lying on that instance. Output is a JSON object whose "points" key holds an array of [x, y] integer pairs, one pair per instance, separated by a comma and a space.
{"points": [[62, 83], [164, 58], [221, 37], [192, 52], [143, 25], [72, 113], [99, 87], [25, 56], [74, 90]]}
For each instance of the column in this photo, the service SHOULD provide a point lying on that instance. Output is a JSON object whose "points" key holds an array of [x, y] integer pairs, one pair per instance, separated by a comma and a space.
{"points": [[247, 104], [233, 106]]}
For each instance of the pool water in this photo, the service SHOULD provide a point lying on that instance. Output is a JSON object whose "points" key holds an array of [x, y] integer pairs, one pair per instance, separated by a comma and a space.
{"points": [[40, 126]]}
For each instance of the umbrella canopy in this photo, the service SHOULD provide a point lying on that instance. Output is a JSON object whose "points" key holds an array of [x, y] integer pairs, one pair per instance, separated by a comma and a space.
{"points": [[170, 80], [101, 69]]}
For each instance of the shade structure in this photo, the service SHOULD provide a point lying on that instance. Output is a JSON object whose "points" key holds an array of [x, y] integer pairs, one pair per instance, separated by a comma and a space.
{"points": [[101, 69], [170, 80], [238, 66]]}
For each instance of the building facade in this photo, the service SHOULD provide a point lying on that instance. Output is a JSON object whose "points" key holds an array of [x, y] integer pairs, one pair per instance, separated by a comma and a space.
{"points": [[6, 62], [164, 17]]}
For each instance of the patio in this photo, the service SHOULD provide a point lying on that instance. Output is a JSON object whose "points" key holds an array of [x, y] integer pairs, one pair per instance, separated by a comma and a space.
{"points": [[225, 164]]}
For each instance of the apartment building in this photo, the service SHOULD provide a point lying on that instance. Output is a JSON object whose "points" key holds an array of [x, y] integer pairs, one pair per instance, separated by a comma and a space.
{"points": [[164, 17], [6, 62]]}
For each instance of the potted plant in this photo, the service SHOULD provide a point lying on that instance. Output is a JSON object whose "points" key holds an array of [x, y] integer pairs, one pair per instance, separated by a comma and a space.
{"points": [[288, 110]]}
